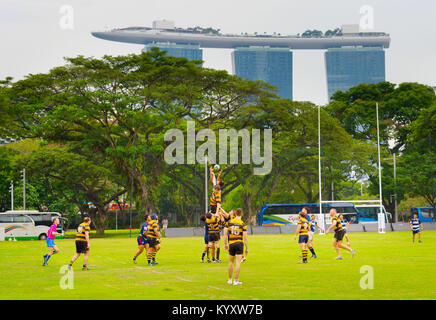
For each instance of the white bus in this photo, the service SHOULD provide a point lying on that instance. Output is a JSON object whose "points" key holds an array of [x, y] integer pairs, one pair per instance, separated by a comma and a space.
{"points": [[29, 225]]}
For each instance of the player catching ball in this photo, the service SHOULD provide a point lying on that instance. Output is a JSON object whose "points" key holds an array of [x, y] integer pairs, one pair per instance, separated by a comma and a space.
{"points": [[235, 236]]}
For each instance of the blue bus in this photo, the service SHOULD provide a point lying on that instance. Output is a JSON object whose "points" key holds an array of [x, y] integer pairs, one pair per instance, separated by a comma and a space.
{"points": [[425, 214], [287, 214]]}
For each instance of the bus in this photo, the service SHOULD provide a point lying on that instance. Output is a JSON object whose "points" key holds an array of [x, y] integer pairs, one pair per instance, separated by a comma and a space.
{"points": [[287, 214], [368, 213], [29, 225], [425, 214]]}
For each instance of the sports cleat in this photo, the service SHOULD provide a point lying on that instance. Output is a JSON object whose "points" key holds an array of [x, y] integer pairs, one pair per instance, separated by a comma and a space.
{"points": [[202, 261], [208, 260], [230, 281], [218, 260], [353, 252], [69, 267], [134, 261], [237, 283], [338, 258], [153, 263], [45, 265], [314, 256], [213, 260], [420, 241], [243, 259], [85, 269]]}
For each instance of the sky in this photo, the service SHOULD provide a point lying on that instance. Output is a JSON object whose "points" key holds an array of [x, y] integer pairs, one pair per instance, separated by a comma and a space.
{"points": [[33, 37]]}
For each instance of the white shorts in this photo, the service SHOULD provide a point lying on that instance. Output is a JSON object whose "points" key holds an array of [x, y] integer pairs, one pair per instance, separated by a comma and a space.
{"points": [[311, 233]]}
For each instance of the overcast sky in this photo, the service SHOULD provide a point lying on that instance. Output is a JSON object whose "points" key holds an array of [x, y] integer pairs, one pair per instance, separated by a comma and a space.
{"points": [[32, 40]]}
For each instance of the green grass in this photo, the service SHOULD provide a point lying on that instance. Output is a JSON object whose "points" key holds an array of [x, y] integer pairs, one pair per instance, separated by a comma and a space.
{"points": [[402, 270]]}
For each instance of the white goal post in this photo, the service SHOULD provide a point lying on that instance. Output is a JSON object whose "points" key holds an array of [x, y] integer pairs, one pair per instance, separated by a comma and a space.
{"points": [[380, 216]]}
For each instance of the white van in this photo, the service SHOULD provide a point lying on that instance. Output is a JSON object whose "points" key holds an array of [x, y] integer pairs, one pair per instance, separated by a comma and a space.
{"points": [[28, 225]]}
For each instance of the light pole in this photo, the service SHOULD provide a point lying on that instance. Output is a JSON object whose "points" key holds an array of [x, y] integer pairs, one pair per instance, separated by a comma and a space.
{"points": [[395, 185], [24, 188], [11, 190]]}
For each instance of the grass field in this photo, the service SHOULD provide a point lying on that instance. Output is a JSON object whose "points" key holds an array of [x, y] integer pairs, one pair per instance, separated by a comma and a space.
{"points": [[402, 270]]}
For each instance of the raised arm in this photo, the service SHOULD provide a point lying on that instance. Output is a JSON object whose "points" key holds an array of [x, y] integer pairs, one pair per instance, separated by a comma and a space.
{"points": [[212, 176]]}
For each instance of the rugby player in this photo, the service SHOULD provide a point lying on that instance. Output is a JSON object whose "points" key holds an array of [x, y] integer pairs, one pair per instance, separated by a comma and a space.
{"points": [[52, 248], [206, 239], [345, 224], [142, 238], [212, 221], [226, 218], [235, 236], [312, 225], [153, 240], [303, 234], [82, 243], [416, 227], [339, 235]]}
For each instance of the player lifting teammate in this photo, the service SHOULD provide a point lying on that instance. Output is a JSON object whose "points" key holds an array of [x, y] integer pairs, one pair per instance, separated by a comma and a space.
{"points": [[235, 236], [212, 221], [339, 235]]}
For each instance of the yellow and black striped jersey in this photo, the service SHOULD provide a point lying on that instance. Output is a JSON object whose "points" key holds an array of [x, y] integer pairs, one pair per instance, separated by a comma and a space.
{"points": [[213, 224], [338, 226], [236, 227], [304, 226], [151, 232], [215, 198], [81, 229]]}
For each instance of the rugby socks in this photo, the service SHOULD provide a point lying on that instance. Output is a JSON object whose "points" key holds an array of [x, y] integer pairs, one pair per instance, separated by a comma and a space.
{"points": [[47, 256], [304, 255], [313, 251], [148, 257], [153, 256], [218, 253], [208, 252], [202, 255]]}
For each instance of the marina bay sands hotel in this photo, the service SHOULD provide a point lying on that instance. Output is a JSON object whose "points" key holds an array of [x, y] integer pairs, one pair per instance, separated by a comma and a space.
{"points": [[351, 57]]}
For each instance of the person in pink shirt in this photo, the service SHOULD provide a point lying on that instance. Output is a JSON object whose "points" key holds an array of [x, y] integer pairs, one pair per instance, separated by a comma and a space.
{"points": [[52, 248]]}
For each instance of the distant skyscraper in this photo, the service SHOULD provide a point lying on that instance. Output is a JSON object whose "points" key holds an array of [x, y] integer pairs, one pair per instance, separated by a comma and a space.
{"points": [[272, 65], [191, 52], [349, 67]]}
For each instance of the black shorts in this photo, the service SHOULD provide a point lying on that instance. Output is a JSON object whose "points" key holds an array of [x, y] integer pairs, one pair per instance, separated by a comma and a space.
{"points": [[213, 209], [81, 246], [236, 248], [339, 235], [303, 238], [213, 237], [152, 242]]}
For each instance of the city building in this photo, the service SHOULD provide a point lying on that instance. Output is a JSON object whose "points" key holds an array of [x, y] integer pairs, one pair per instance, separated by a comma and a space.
{"points": [[272, 65], [349, 67], [191, 52], [352, 57]]}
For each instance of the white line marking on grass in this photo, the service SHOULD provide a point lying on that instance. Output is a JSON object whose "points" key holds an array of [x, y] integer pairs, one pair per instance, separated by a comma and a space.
{"points": [[185, 279], [216, 288]]}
